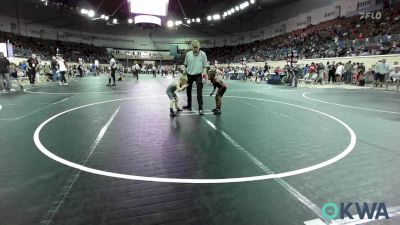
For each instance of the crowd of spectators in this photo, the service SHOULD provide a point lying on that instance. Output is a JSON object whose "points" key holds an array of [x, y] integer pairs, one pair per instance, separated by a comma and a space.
{"points": [[340, 37], [351, 73], [335, 38], [24, 47]]}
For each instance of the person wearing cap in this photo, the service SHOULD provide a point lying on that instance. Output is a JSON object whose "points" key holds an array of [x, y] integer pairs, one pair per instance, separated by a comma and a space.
{"points": [[196, 64]]}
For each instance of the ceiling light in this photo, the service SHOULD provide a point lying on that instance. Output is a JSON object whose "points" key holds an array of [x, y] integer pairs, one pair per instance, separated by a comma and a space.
{"points": [[216, 17], [130, 21], [198, 20], [115, 21], [244, 5], [237, 8], [91, 13], [84, 11], [188, 21], [103, 16], [209, 18], [106, 18], [252, 1], [170, 23]]}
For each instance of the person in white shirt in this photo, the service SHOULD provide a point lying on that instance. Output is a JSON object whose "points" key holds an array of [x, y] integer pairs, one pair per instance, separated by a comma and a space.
{"points": [[196, 65], [339, 72], [62, 68], [113, 67], [162, 70], [381, 70], [395, 77]]}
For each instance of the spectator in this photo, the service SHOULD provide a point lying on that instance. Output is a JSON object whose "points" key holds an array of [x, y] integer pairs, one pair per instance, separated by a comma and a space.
{"points": [[339, 72], [381, 70], [32, 67], [113, 67], [4, 74], [54, 65], [62, 67]]}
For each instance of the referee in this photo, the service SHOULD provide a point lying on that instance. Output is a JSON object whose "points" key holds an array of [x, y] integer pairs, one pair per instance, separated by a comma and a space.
{"points": [[196, 65]]}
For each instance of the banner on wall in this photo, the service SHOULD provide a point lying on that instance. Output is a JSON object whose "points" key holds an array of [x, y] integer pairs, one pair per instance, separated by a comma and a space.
{"points": [[7, 49], [3, 49]]}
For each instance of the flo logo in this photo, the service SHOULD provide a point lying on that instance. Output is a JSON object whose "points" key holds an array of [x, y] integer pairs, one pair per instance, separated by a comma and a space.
{"points": [[331, 211], [371, 15]]}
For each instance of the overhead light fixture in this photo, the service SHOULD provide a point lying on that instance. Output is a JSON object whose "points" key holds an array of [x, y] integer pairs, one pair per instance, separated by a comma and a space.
{"points": [[103, 16], [130, 20], [91, 13], [188, 21], [244, 5], [216, 17], [252, 1], [237, 8], [198, 20], [115, 21], [209, 18], [170, 23], [106, 18], [84, 11]]}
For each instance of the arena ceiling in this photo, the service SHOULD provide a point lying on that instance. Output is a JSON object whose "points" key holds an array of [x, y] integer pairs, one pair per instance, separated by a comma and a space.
{"points": [[66, 16]]}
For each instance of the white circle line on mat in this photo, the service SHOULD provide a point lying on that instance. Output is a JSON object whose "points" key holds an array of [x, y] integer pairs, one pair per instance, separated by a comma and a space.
{"points": [[79, 93], [347, 150], [347, 106], [110, 92]]}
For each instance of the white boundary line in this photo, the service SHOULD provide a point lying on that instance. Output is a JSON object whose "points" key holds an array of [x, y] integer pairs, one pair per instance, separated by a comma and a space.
{"points": [[35, 111], [92, 148], [110, 92], [347, 106], [303, 199], [45, 151], [78, 93]]}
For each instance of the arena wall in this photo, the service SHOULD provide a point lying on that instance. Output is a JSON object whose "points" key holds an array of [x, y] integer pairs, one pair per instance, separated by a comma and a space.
{"points": [[139, 41], [276, 21]]}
